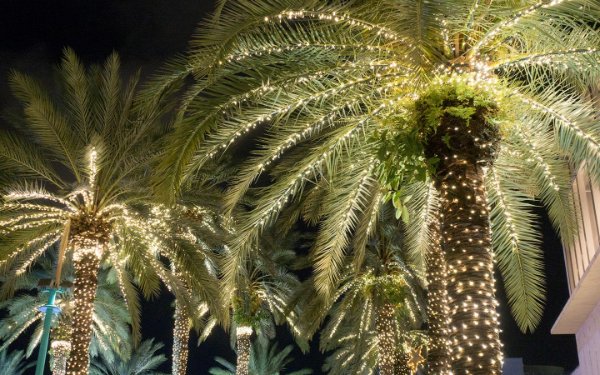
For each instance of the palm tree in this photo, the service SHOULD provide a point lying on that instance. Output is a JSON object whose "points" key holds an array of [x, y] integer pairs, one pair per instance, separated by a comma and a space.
{"points": [[260, 295], [143, 361], [110, 320], [12, 363], [375, 307], [199, 229], [488, 99], [265, 359], [79, 155]]}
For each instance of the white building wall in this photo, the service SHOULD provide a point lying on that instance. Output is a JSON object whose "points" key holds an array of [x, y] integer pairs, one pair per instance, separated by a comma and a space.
{"points": [[581, 314], [588, 345]]}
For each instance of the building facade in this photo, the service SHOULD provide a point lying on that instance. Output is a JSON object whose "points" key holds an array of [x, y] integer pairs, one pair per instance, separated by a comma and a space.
{"points": [[581, 314]]}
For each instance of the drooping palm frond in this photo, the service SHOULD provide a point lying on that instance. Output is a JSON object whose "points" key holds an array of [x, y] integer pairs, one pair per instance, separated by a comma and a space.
{"points": [[311, 85], [143, 361]]}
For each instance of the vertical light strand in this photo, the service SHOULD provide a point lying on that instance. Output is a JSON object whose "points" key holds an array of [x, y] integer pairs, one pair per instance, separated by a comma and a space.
{"points": [[438, 312], [386, 338], [243, 335], [181, 337], [87, 261], [59, 350], [475, 331]]}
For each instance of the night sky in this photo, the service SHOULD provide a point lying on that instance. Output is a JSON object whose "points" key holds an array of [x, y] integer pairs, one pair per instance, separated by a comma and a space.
{"points": [[147, 32]]}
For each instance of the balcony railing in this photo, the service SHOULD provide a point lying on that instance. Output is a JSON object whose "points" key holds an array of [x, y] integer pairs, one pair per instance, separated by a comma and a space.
{"points": [[579, 255]]}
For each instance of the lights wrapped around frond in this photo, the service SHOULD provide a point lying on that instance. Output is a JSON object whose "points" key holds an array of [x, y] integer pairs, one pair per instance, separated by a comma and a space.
{"points": [[278, 75]]}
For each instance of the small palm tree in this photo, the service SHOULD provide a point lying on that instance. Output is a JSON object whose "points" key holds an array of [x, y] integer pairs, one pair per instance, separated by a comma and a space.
{"points": [[260, 295], [110, 328], [265, 359], [79, 156], [374, 308], [143, 361], [489, 100], [12, 363]]}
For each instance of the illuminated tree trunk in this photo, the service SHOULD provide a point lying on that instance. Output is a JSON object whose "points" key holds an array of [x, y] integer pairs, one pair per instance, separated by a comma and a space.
{"points": [[401, 367], [243, 335], [465, 148], [59, 349], [438, 353], [386, 338], [86, 261], [181, 338]]}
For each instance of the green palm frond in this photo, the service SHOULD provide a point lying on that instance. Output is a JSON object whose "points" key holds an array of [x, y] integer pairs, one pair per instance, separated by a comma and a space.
{"points": [[312, 86], [516, 240], [145, 360], [265, 359], [110, 318], [12, 363]]}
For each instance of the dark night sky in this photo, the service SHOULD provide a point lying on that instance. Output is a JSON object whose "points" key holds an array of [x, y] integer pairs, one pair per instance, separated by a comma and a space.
{"points": [[145, 33]]}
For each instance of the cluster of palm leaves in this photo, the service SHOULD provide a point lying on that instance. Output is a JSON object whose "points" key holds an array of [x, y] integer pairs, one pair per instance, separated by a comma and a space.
{"points": [[410, 141]]}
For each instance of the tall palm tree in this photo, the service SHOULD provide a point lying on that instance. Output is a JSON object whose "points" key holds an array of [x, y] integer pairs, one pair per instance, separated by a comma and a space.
{"points": [[110, 320], [487, 98], [375, 307], [12, 363], [265, 359], [79, 153], [143, 361]]}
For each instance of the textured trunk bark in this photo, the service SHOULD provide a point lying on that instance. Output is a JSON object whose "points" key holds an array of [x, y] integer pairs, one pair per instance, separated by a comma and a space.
{"points": [[464, 148], [87, 261], [181, 338], [386, 338], [438, 353], [401, 367], [243, 335], [59, 350], [475, 330]]}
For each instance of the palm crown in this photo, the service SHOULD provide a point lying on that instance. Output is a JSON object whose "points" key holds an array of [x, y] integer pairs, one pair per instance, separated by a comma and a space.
{"points": [[339, 95], [81, 167]]}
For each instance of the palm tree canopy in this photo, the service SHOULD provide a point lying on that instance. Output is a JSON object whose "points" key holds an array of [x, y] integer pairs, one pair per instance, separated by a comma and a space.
{"points": [[259, 294], [330, 95], [80, 153]]}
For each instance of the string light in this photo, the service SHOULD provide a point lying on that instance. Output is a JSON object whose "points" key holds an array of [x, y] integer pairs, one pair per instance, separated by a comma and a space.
{"points": [[181, 337], [243, 335], [387, 331], [59, 349]]}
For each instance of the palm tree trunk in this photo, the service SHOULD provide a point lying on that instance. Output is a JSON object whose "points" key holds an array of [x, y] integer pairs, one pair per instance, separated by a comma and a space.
{"points": [[474, 320], [465, 148], [438, 353], [59, 349], [401, 366], [243, 335], [181, 338], [386, 338], [86, 261]]}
